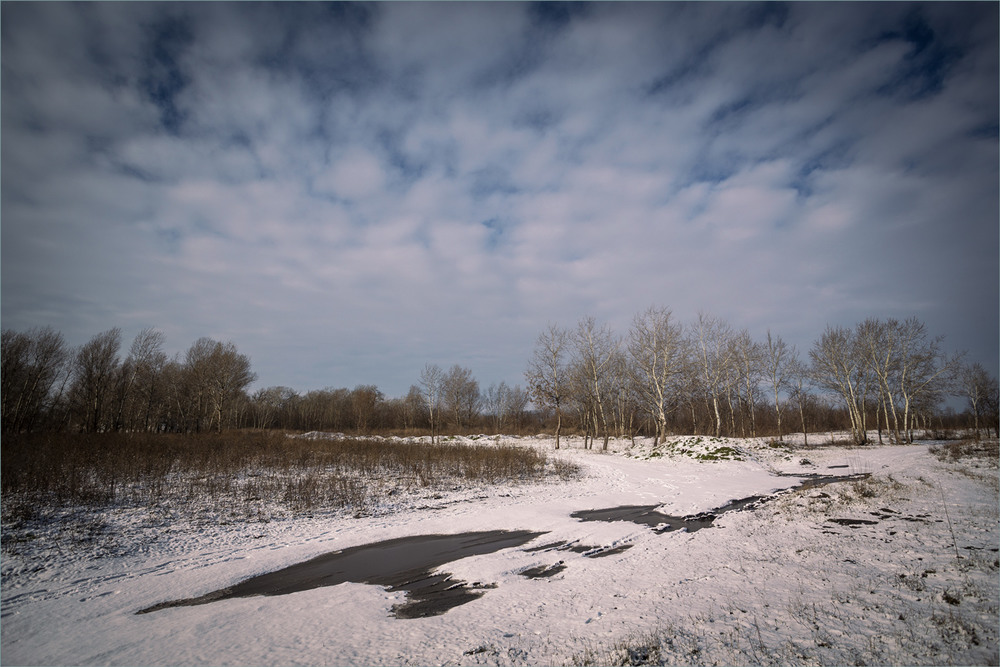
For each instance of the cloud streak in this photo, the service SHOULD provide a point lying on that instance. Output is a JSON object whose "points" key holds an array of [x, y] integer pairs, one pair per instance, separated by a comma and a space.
{"points": [[352, 191]]}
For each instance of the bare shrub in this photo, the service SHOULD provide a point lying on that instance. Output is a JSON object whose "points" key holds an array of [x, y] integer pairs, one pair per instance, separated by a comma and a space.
{"points": [[966, 449], [240, 469]]}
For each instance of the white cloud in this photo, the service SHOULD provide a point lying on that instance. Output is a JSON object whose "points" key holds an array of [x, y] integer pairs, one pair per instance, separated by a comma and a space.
{"points": [[355, 174], [412, 181]]}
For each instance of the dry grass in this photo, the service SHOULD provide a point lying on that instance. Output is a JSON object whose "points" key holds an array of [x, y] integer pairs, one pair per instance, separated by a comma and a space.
{"points": [[42, 472], [952, 452]]}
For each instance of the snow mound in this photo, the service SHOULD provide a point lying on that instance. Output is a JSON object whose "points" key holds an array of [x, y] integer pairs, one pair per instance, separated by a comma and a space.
{"points": [[697, 447]]}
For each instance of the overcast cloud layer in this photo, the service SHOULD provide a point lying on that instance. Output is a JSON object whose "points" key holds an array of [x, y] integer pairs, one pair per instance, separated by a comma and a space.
{"points": [[349, 192]]}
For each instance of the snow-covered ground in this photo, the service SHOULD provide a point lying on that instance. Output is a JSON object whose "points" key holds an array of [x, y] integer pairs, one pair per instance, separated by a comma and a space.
{"points": [[917, 583]]}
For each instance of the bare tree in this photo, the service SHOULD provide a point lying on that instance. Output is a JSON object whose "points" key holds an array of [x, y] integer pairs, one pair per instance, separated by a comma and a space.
{"points": [[431, 383], [748, 362], [547, 375], [878, 344], [923, 366], [778, 360], [461, 397], [413, 407], [94, 372], [975, 386], [517, 404], [267, 403], [32, 364], [505, 405], [838, 367], [624, 398], [493, 404], [136, 382], [710, 338], [218, 374], [365, 400], [657, 352], [799, 375], [594, 350]]}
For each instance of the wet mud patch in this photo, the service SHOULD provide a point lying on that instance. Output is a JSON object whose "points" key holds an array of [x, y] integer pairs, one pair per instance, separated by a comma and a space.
{"points": [[405, 563]]}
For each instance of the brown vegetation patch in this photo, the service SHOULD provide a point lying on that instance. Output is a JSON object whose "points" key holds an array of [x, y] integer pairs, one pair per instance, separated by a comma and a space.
{"points": [[46, 471]]}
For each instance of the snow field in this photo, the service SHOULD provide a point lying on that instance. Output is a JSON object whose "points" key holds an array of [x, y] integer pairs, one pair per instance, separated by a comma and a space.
{"points": [[780, 584]]}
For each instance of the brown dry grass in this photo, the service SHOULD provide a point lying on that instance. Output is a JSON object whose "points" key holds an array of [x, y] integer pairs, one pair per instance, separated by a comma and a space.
{"points": [[42, 471]]}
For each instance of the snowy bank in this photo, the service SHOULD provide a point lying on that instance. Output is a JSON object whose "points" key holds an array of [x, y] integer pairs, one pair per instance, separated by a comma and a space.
{"points": [[898, 568]]}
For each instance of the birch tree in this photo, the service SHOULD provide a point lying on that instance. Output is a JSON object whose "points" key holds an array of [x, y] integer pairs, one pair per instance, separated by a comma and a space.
{"points": [[878, 344], [837, 367], [923, 366], [799, 376], [547, 376], [710, 338], [747, 358], [656, 351], [974, 383], [594, 348], [431, 380], [778, 360]]}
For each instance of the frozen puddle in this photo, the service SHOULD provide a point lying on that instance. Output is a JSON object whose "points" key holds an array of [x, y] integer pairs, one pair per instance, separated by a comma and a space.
{"points": [[662, 523], [648, 516], [405, 564], [408, 563]]}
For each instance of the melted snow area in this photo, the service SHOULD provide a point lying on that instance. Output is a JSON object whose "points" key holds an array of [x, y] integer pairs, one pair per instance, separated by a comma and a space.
{"points": [[900, 567]]}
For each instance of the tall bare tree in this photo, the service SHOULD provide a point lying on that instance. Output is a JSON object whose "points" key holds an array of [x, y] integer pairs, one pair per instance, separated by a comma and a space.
{"points": [[878, 345], [838, 367], [748, 363], [594, 350], [778, 359], [94, 371], [137, 377], [547, 374], [923, 367], [710, 339], [218, 375], [799, 376], [413, 407], [431, 384], [31, 365], [460, 393], [974, 382], [365, 401], [658, 356]]}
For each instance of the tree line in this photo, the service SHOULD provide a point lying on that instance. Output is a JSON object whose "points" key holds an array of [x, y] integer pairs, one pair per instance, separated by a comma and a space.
{"points": [[46, 384], [98, 387], [664, 376], [660, 377]]}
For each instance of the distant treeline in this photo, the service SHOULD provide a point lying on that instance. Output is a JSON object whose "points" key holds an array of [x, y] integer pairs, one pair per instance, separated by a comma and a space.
{"points": [[663, 376], [660, 377]]}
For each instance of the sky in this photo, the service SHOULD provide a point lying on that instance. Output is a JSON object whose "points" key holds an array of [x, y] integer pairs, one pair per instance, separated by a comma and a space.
{"points": [[351, 191]]}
